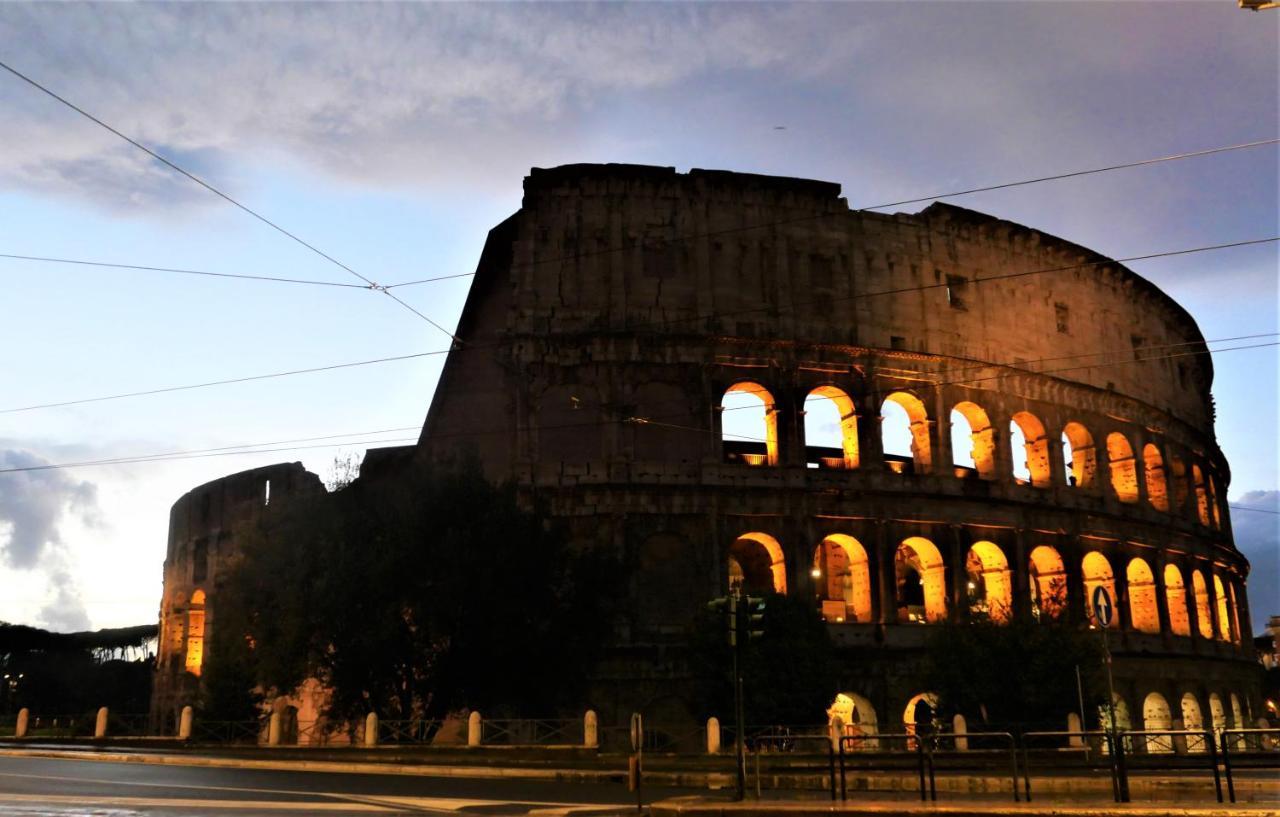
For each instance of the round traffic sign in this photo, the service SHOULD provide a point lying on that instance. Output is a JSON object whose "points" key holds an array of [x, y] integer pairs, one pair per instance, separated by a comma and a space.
{"points": [[1102, 607]]}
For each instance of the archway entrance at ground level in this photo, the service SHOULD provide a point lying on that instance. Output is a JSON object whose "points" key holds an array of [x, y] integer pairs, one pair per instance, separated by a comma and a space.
{"points": [[852, 715], [921, 713], [1155, 718]]}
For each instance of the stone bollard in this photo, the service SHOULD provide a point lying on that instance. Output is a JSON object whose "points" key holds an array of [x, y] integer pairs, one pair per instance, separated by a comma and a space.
{"points": [[591, 730], [100, 726], [184, 723], [473, 729], [835, 731], [1074, 725], [713, 736], [20, 728], [960, 728], [371, 729], [273, 729]]}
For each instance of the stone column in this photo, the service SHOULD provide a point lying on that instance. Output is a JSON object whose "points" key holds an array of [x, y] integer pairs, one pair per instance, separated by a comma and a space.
{"points": [[590, 730], [960, 728], [885, 549], [274, 729], [100, 725], [954, 554], [24, 718], [1021, 574], [1162, 602], [474, 728], [184, 723], [713, 735]]}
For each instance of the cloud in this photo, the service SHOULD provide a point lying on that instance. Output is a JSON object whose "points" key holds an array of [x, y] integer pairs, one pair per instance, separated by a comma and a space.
{"points": [[1258, 538], [65, 612], [34, 503], [375, 92]]}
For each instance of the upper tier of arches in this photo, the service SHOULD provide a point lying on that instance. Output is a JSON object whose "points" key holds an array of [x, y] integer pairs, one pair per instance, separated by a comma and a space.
{"points": [[1131, 464]]}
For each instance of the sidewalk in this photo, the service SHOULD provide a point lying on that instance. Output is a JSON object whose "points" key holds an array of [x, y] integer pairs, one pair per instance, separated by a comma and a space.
{"points": [[707, 807]]}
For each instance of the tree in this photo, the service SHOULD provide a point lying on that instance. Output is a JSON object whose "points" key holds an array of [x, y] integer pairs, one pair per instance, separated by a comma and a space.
{"points": [[1016, 674], [789, 673], [415, 596]]}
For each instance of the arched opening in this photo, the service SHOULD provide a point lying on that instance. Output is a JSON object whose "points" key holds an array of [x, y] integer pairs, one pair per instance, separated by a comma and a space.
{"points": [[1153, 474], [1217, 712], [1177, 477], [830, 429], [1204, 618], [973, 443], [1156, 718], [921, 713], [1235, 613], [920, 581], [842, 573], [1143, 611], [1048, 583], [1214, 510], [990, 585], [749, 425], [194, 661], [1175, 595], [1123, 720], [1097, 573], [1202, 495], [756, 564], [1079, 455], [1237, 714], [1124, 471], [1030, 449], [904, 431], [1193, 721], [856, 717], [1224, 608]]}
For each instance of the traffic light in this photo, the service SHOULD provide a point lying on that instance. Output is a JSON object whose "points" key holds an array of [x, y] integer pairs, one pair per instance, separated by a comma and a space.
{"points": [[728, 604], [755, 617]]}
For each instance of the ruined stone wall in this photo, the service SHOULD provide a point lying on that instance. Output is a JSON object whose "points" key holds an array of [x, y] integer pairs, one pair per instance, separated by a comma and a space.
{"points": [[205, 526], [612, 313]]}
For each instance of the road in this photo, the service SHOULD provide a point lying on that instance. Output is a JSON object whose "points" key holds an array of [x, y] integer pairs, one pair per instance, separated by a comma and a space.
{"points": [[49, 786]]}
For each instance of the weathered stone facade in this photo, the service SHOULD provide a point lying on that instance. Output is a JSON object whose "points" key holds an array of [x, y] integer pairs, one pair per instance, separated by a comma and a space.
{"points": [[612, 314]]}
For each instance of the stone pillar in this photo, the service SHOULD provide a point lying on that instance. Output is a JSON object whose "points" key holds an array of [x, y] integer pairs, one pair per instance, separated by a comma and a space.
{"points": [[591, 730], [274, 729], [961, 729], [885, 577], [713, 735], [184, 723], [954, 555], [943, 457], [1074, 725], [473, 729], [24, 718], [100, 725], [870, 443], [1162, 600], [1057, 460], [371, 729], [1021, 570]]}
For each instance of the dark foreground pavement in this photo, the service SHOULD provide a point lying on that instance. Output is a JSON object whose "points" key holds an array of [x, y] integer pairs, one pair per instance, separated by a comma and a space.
{"points": [[34, 785]]}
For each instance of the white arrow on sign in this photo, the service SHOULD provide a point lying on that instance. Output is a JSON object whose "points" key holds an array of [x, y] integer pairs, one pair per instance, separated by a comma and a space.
{"points": [[1102, 605]]}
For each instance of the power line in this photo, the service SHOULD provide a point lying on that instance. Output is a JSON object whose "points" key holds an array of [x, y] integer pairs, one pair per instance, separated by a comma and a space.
{"points": [[226, 382], [171, 165], [1076, 173], [82, 262], [1255, 510]]}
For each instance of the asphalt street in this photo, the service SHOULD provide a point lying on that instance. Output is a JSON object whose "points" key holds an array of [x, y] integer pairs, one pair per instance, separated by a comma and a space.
{"points": [[37, 786]]}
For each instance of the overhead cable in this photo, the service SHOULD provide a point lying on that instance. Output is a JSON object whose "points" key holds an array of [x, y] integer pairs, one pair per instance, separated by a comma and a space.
{"points": [[84, 263]]}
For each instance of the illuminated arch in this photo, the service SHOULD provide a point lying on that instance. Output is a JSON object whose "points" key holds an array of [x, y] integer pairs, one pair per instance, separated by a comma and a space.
{"points": [[1032, 463], [1143, 612], [1097, 572], [920, 581], [857, 717], [1156, 718], [1124, 471], [1175, 595], [971, 432], [843, 574], [194, 661], [1124, 721], [1177, 477], [1202, 496], [917, 422], [1048, 583], [1153, 475], [990, 583], [1217, 712], [913, 711], [1224, 608], [1192, 720], [751, 450], [1079, 455], [1204, 618], [756, 564], [847, 420]]}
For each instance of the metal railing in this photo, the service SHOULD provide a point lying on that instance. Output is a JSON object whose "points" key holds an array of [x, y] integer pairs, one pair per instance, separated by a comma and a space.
{"points": [[806, 746], [1248, 748], [203, 731], [408, 731], [531, 732], [656, 739]]}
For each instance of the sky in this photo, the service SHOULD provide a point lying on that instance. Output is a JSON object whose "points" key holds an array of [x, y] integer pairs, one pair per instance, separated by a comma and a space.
{"points": [[393, 137]]}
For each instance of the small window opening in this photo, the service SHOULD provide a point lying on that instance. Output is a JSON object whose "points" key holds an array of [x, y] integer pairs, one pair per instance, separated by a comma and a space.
{"points": [[266, 493], [956, 292], [1062, 316], [898, 343]]}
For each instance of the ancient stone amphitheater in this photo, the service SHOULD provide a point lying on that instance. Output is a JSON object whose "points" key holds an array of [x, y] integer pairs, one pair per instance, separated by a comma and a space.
{"points": [[729, 379]]}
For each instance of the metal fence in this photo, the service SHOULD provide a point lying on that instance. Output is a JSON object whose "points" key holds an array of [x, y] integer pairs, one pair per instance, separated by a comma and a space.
{"points": [[531, 732], [417, 731], [203, 731]]}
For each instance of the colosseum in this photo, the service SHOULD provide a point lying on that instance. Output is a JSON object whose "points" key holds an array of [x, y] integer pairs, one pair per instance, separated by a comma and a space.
{"points": [[736, 380]]}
